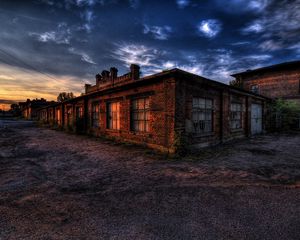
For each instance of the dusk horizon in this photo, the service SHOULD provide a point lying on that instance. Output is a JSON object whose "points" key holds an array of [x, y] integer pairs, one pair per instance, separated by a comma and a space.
{"points": [[48, 47]]}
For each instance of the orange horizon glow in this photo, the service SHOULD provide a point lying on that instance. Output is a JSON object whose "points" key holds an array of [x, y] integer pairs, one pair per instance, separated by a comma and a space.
{"points": [[17, 85]]}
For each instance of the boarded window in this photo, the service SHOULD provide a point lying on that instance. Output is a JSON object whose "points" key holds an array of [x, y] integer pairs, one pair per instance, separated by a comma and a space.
{"points": [[113, 115], [95, 114], [202, 113], [140, 115], [235, 115]]}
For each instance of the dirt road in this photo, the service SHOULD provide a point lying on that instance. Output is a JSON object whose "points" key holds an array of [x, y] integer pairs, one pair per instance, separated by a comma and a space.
{"points": [[55, 185]]}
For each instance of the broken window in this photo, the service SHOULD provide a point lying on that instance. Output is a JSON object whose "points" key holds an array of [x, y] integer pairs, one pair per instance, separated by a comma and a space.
{"points": [[236, 115], [95, 114], [202, 112], [254, 89], [140, 115], [113, 115]]}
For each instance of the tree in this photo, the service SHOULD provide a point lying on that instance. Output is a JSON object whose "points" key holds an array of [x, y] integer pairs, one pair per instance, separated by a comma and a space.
{"points": [[285, 114], [63, 96], [15, 109]]}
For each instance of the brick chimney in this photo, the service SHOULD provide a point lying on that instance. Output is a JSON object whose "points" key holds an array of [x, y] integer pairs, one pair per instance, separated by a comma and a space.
{"points": [[113, 73], [86, 87], [105, 75], [135, 71], [98, 79]]}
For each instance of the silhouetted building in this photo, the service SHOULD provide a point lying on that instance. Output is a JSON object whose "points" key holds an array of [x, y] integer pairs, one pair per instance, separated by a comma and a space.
{"points": [[30, 107]]}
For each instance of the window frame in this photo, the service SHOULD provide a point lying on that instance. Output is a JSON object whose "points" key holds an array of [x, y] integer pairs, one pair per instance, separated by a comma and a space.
{"points": [[58, 116], [69, 113], [206, 111], [95, 114], [79, 112], [234, 113], [111, 123], [138, 124], [254, 88]]}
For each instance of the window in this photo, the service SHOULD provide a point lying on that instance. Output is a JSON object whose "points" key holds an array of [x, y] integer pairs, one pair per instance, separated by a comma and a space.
{"points": [[235, 115], [95, 114], [113, 115], [50, 115], [79, 112], [202, 115], [69, 115], [140, 115], [254, 89], [58, 116]]}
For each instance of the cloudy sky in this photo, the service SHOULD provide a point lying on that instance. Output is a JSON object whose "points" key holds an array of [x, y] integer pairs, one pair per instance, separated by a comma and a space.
{"points": [[49, 46]]}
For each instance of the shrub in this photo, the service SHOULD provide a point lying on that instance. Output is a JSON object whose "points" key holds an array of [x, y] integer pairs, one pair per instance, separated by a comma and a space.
{"points": [[285, 114]]}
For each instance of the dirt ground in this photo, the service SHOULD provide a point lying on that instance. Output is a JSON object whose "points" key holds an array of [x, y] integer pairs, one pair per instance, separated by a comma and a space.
{"points": [[55, 185]]}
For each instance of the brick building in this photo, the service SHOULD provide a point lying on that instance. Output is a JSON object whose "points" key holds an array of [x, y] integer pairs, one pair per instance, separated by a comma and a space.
{"points": [[276, 81], [162, 111], [30, 107]]}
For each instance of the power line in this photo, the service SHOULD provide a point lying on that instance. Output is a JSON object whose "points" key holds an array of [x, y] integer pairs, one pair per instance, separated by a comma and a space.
{"points": [[26, 64], [13, 59]]}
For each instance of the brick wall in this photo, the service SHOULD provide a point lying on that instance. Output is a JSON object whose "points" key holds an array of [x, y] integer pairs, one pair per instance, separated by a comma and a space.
{"points": [[275, 84], [162, 107], [222, 97], [170, 106]]}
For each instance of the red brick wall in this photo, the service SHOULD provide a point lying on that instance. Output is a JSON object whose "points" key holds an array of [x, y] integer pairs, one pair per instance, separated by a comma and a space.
{"points": [[222, 98], [275, 84], [170, 100], [162, 107]]}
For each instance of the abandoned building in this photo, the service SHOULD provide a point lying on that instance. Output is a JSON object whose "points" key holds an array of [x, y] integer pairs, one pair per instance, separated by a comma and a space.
{"points": [[276, 81], [30, 107], [163, 111]]}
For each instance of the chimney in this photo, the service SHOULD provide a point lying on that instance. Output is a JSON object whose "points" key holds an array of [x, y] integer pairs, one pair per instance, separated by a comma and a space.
{"points": [[113, 73], [86, 87], [98, 79], [135, 71], [105, 74]]}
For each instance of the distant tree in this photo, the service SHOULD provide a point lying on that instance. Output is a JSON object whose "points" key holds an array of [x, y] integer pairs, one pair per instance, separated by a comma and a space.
{"points": [[63, 96], [15, 109]]}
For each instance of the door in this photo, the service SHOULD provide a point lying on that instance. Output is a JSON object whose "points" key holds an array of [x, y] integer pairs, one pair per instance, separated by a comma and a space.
{"points": [[256, 119]]}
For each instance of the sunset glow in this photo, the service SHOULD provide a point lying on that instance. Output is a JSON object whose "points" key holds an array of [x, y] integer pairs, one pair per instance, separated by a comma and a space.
{"points": [[47, 47]]}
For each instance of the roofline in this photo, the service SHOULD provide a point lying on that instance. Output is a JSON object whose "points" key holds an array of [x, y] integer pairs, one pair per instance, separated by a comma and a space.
{"points": [[224, 85], [157, 75], [271, 67]]}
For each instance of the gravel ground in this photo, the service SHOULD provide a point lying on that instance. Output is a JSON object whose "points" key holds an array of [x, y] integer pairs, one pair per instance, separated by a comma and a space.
{"points": [[55, 185]]}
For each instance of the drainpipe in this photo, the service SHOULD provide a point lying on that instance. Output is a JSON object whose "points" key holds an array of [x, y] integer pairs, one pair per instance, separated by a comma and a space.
{"points": [[222, 116], [247, 117], [85, 114]]}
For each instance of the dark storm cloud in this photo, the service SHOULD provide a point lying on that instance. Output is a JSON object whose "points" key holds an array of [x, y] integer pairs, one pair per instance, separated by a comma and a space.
{"points": [[80, 38]]}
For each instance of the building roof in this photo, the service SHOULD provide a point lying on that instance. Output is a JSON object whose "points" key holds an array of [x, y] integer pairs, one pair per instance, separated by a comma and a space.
{"points": [[150, 79], [276, 67]]}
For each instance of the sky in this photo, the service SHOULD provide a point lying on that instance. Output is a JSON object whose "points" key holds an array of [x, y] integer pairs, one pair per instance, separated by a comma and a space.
{"points": [[48, 46]]}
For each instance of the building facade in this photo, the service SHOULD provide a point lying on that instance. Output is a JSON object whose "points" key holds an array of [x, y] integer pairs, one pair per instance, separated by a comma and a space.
{"points": [[30, 108], [164, 111], [276, 81]]}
